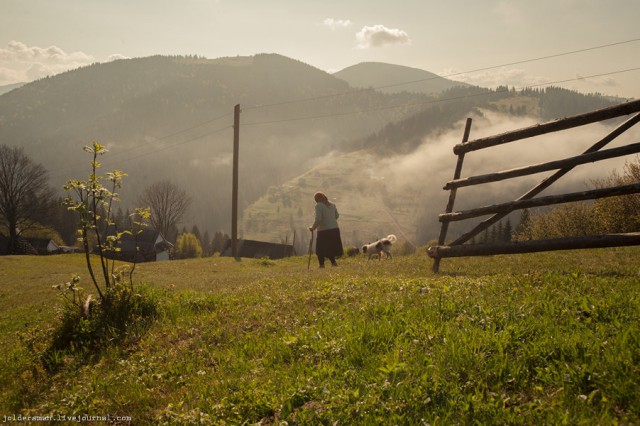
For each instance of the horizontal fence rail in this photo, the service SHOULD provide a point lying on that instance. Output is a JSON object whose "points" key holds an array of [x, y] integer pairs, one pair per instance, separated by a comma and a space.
{"points": [[545, 167], [552, 126], [614, 191], [457, 248], [533, 246]]}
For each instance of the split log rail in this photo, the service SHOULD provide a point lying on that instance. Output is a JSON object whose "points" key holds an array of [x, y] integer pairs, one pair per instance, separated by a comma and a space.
{"points": [[458, 248]]}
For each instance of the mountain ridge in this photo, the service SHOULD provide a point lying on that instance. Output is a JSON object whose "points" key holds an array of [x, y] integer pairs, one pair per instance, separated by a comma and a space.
{"points": [[392, 78], [143, 108], [170, 117]]}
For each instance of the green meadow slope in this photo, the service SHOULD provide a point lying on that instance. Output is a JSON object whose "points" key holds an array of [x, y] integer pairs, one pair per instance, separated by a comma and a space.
{"points": [[547, 338]]}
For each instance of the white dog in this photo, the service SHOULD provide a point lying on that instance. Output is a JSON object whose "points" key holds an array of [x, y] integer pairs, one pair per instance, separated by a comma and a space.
{"points": [[382, 245]]}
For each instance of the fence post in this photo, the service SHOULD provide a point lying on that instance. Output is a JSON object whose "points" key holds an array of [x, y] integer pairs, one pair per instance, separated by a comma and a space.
{"points": [[452, 195]]}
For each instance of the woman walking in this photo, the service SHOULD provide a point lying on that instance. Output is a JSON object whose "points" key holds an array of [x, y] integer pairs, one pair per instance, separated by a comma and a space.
{"points": [[328, 241]]}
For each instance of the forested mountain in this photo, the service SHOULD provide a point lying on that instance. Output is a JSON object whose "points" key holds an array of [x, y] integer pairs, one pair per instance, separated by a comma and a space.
{"points": [[455, 103], [301, 130], [171, 118], [390, 78]]}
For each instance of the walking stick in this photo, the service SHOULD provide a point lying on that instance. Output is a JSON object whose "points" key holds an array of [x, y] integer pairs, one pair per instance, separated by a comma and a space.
{"points": [[310, 250]]}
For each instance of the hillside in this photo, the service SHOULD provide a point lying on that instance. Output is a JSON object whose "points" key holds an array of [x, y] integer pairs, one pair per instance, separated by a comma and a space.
{"points": [[171, 118], [358, 182], [392, 180], [390, 78], [546, 338]]}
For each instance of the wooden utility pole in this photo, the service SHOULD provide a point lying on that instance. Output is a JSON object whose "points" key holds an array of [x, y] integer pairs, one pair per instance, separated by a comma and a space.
{"points": [[234, 189]]}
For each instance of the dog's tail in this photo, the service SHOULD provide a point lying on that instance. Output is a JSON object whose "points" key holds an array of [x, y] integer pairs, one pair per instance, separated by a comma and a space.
{"points": [[392, 238]]}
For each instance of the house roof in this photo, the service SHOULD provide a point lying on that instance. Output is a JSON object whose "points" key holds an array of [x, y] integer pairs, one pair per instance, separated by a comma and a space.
{"points": [[143, 246], [22, 246], [4, 244], [146, 237], [41, 244], [259, 249]]}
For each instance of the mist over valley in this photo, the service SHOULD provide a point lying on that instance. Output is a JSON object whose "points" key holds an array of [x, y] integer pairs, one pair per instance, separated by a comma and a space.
{"points": [[381, 155]]}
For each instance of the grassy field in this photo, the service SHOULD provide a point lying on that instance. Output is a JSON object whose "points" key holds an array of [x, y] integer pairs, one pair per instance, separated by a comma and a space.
{"points": [[549, 338]]}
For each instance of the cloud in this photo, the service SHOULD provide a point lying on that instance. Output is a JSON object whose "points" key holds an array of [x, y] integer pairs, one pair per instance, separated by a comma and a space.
{"points": [[379, 36], [20, 63], [336, 23], [116, 57], [520, 79]]}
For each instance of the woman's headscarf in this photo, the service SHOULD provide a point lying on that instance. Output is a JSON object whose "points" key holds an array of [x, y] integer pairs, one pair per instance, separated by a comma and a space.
{"points": [[321, 198]]}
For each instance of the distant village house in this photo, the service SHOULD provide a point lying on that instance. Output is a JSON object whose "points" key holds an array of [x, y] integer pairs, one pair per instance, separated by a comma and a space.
{"points": [[259, 249], [32, 246], [147, 246]]}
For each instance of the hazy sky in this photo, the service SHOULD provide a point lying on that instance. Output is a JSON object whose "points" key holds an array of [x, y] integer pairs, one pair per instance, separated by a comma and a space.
{"points": [[45, 37]]}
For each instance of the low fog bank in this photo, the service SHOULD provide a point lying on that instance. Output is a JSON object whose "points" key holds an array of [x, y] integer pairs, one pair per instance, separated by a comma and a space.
{"points": [[403, 194]]}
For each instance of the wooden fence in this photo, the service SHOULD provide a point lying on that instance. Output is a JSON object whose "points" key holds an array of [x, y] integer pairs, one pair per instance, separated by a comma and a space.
{"points": [[457, 248]]}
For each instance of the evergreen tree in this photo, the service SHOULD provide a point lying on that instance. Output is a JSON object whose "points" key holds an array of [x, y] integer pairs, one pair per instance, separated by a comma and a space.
{"points": [[493, 235], [206, 244], [506, 232], [127, 220], [218, 241], [195, 231], [173, 234], [120, 219], [523, 230], [484, 239], [63, 221]]}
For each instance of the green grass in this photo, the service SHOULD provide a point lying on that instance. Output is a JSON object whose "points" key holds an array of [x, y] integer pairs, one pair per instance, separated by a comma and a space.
{"points": [[534, 339]]}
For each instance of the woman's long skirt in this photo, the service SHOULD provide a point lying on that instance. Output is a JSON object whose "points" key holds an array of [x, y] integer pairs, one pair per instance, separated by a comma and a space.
{"points": [[329, 243]]}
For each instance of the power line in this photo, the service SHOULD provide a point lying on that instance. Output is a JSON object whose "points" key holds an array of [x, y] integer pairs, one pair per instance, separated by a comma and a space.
{"points": [[154, 151], [178, 133], [125, 151], [414, 104], [195, 138], [434, 101], [408, 105], [356, 90], [557, 55], [383, 87]]}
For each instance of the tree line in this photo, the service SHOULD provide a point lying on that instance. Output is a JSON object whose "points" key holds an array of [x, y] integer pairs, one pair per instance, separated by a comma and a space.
{"points": [[29, 208], [454, 104], [602, 216]]}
